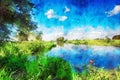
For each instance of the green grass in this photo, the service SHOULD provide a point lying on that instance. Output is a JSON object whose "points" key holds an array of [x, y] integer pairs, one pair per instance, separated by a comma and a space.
{"points": [[94, 73], [4, 75], [15, 65], [96, 42]]}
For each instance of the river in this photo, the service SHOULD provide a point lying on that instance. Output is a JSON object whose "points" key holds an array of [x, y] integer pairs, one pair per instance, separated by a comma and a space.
{"points": [[107, 57]]}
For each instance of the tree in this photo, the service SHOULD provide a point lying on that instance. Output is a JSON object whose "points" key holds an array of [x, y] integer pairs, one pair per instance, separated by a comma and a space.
{"points": [[39, 36], [116, 37], [60, 41], [107, 39], [16, 12]]}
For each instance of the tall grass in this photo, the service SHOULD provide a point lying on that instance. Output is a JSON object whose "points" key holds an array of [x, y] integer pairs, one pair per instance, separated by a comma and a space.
{"points": [[94, 73], [15, 64]]}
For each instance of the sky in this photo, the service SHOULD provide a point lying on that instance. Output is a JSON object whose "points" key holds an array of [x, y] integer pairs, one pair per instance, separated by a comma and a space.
{"points": [[77, 19]]}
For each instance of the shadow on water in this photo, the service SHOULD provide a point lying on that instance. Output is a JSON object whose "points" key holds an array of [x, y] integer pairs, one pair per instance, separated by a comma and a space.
{"points": [[80, 56]]}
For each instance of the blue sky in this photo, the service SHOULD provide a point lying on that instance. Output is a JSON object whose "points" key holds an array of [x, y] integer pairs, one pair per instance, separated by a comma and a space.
{"points": [[65, 17]]}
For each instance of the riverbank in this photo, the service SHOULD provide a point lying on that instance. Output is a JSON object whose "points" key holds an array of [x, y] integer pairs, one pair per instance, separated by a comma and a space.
{"points": [[26, 61], [14, 64], [115, 43], [26, 47], [93, 73]]}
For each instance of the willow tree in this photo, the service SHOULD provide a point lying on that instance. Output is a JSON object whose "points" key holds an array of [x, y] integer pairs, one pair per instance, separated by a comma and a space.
{"points": [[18, 13]]}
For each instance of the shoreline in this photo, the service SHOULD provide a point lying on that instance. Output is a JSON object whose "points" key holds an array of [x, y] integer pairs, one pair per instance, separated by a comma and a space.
{"points": [[115, 43]]}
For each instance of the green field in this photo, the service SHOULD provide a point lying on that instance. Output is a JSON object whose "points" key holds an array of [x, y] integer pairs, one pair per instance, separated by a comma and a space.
{"points": [[115, 43]]}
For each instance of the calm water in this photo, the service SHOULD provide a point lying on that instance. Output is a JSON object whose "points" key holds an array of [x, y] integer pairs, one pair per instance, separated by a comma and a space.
{"points": [[78, 56]]}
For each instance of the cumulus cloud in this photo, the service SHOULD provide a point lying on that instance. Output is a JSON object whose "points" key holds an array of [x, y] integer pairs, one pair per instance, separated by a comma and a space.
{"points": [[51, 14], [81, 33], [91, 33], [62, 18], [51, 33], [114, 11]]}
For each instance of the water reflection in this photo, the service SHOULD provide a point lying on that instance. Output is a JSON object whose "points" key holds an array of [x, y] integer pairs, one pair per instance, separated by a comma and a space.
{"points": [[79, 56]]}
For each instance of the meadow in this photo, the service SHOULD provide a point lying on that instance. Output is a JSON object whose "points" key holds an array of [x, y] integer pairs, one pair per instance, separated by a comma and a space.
{"points": [[26, 61], [88, 42]]}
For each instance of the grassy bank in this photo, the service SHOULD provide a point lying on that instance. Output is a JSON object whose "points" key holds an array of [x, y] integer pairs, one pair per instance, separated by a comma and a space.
{"points": [[96, 42], [25, 61], [25, 47], [93, 73], [17, 62]]}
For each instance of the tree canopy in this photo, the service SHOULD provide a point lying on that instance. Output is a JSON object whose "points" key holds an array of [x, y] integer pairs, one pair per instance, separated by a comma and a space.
{"points": [[60, 41], [18, 13], [116, 37]]}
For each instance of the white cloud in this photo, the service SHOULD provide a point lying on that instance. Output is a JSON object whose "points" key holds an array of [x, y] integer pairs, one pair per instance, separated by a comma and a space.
{"points": [[51, 33], [51, 36], [66, 9], [86, 32], [90, 32], [114, 11], [62, 18], [51, 14]]}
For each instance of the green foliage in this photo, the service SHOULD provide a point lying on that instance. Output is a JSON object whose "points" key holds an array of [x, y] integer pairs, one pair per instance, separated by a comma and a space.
{"points": [[46, 68], [94, 73], [56, 69], [116, 37], [18, 13], [15, 65], [39, 36], [107, 39], [36, 47], [4, 75], [60, 41], [106, 42], [33, 70]]}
